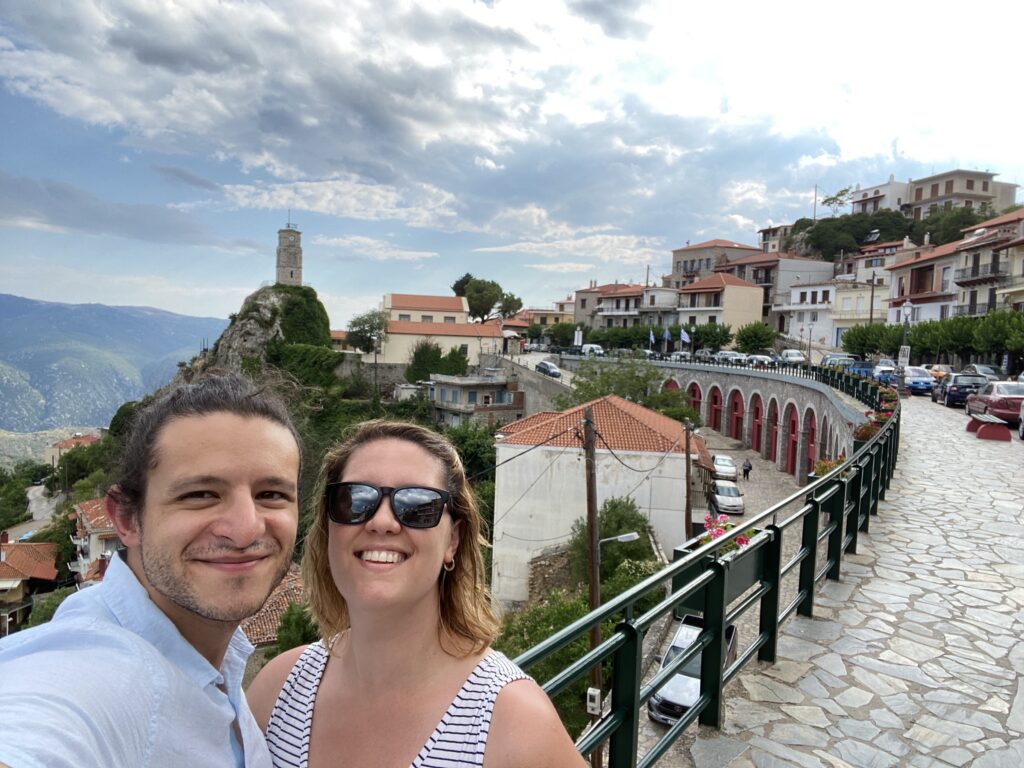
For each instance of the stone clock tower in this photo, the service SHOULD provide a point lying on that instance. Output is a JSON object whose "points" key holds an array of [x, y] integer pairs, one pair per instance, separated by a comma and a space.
{"points": [[289, 255]]}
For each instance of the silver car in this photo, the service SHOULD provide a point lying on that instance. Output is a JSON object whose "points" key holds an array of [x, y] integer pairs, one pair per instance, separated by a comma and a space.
{"points": [[726, 497], [725, 468]]}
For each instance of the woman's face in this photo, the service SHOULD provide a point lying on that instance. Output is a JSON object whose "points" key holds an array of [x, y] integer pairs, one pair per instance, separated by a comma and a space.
{"points": [[381, 563]]}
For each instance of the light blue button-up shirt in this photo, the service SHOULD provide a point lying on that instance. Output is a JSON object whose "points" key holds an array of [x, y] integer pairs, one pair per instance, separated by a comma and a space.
{"points": [[111, 682]]}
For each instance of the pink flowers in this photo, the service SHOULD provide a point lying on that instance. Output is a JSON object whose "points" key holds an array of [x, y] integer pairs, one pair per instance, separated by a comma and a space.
{"points": [[716, 526]]}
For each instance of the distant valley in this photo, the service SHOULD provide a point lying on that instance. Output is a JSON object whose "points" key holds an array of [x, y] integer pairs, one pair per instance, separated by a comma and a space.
{"points": [[75, 364]]}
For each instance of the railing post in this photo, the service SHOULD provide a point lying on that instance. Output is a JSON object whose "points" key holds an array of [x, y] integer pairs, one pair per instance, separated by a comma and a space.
{"points": [[769, 621], [836, 516], [853, 519], [808, 566], [625, 697], [713, 658]]}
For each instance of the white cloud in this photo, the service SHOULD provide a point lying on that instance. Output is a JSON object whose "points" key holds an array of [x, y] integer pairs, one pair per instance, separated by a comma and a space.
{"points": [[377, 250], [625, 249], [487, 164], [566, 267]]}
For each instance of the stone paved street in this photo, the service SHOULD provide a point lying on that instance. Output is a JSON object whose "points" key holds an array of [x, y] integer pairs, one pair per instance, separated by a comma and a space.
{"points": [[915, 657]]}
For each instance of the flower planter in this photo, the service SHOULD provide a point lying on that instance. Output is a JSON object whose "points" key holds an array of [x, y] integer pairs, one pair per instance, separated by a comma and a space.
{"points": [[743, 569]]}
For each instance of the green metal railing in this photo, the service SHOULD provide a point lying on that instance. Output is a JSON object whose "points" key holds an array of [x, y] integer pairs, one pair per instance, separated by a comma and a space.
{"points": [[829, 516]]}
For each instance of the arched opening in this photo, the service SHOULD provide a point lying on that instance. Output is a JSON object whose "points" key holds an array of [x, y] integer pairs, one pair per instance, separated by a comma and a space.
{"points": [[715, 409], [670, 384], [811, 428], [735, 415], [773, 431], [756, 422], [825, 439], [696, 398], [792, 439]]}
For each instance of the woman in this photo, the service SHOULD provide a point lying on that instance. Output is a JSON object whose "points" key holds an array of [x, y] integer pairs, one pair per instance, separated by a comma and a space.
{"points": [[405, 675]]}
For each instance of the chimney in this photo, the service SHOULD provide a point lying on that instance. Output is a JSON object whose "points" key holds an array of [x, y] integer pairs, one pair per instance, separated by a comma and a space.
{"points": [[4, 537], [906, 241], [927, 238]]}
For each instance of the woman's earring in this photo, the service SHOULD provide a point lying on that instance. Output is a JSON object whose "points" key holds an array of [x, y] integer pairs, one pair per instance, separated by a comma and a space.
{"points": [[449, 567]]}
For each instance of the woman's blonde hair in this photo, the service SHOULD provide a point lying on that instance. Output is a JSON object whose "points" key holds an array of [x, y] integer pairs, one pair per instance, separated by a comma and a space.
{"points": [[465, 605]]}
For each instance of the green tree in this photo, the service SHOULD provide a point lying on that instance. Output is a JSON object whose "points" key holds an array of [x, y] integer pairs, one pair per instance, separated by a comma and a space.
{"points": [[891, 339], [864, 340], [482, 296], [475, 445], [43, 609], [368, 330], [755, 336], [634, 380], [675, 404], [838, 201], [509, 305], [534, 331], [958, 335], [426, 359], [627, 574], [13, 486], [295, 628], [925, 340], [999, 332], [303, 318], [616, 517], [561, 333], [944, 226], [459, 286], [712, 335]]}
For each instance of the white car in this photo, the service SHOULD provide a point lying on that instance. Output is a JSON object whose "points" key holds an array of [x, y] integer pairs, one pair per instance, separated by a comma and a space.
{"points": [[729, 357], [793, 356], [760, 361], [725, 468], [680, 356], [726, 497]]}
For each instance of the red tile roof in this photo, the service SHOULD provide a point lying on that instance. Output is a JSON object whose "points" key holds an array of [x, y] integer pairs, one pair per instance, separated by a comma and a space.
{"points": [[923, 258], [33, 561], [530, 421], [339, 335], [1006, 218], [716, 282], [92, 515], [716, 244], [620, 424], [437, 303], [474, 330], [74, 442], [261, 629]]}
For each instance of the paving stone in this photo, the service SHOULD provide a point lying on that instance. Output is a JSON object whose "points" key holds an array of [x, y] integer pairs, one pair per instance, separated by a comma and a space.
{"points": [[832, 663], [860, 754], [883, 718], [854, 697], [767, 690], [809, 715], [717, 752], [794, 734], [859, 729], [782, 756], [956, 756]]}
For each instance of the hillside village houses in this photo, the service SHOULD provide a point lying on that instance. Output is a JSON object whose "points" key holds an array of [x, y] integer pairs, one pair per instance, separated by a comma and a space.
{"points": [[717, 299], [776, 273], [25, 569], [95, 541], [640, 455], [916, 198]]}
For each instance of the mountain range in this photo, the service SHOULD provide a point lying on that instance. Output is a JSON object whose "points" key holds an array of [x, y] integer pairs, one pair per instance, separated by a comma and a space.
{"points": [[74, 364]]}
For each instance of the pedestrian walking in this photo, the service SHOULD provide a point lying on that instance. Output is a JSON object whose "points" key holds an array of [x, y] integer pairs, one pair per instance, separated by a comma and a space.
{"points": [[747, 466]]}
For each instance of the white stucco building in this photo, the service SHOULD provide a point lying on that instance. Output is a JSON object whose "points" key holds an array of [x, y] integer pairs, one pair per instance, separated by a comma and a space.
{"points": [[540, 487]]}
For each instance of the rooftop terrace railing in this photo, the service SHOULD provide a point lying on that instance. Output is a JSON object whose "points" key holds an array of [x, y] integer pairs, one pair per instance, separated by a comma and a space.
{"points": [[801, 543]]}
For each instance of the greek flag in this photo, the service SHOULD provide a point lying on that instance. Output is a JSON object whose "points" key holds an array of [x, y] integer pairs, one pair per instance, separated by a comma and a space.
{"points": [[666, 335], [684, 336], [651, 334]]}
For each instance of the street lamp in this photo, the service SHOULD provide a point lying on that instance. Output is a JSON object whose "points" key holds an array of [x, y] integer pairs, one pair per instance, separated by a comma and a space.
{"points": [[907, 310], [622, 538]]}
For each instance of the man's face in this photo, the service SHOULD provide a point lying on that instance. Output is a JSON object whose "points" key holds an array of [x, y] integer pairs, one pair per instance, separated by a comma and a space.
{"points": [[218, 526]]}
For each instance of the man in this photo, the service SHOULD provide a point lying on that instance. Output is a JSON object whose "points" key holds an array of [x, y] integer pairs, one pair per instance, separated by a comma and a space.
{"points": [[146, 669]]}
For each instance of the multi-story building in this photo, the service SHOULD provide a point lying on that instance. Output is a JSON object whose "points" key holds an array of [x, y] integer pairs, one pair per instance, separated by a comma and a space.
{"points": [[986, 258], [659, 306], [888, 196], [868, 265], [957, 189], [471, 339], [720, 298], [613, 305], [776, 273], [58, 449], [857, 303], [491, 398], [923, 275], [773, 239], [694, 262], [95, 540], [807, 313]]}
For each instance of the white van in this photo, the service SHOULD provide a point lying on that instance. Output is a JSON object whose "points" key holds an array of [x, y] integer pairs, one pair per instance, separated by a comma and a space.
{"points": [[592, 349]]}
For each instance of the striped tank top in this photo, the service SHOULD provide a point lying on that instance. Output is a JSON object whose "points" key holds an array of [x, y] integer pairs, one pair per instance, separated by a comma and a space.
{"points": [[458, 740]]}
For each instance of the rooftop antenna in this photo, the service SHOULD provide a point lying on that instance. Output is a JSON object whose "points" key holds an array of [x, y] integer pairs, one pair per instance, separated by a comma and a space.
{"points": [[289, 224]]}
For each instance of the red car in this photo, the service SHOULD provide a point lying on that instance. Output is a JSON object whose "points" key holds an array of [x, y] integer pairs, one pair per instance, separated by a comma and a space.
{"points": [[998, 398]]}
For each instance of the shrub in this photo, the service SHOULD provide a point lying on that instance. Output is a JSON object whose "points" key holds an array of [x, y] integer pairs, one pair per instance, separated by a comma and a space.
{"points": [[616, 516]]}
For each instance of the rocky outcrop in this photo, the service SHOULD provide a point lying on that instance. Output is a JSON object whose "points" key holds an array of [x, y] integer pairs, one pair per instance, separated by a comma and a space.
{"points": [[256, 325]]}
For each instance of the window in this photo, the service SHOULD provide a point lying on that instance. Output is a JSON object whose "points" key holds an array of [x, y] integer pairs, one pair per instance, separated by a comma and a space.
{"points": [[935, 190], [443, 394], [693, 320], [968, 204], [824, 297], [543, 320], [814, 297], [471, 397], [984, 186], [799, 317], [652, 301], [583, 303], [712, 320], [449, 319], [803, 297], [427, 319], [943, 311], [814, 317], [917, 194], [464, 349], [902, 286], [970, 183], [455, 395], [608, 323], [847, 302], [405, 318], [679, 266], [948, 205], [860, 303], [949, 187]]}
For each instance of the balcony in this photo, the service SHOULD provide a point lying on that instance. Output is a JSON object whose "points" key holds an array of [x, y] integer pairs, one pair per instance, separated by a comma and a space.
{"points": [[972, 310], [702, 307], [617, 311], [982, 273], [858, 314]]}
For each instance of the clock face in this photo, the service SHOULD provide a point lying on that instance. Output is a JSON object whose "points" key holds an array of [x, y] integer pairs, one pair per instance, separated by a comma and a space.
{"points": [[291, 238]]}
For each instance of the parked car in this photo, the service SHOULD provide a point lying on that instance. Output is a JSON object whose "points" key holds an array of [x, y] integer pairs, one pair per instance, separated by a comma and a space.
{"points": [[887, 361], [729, 357], [834, 358], [1020, 420], [1001, 399], [861, 368], [990, 372], [703, 355], [938, 371], [725, 468], [769, 353], [548, 369], [918, 380], [793, 357], [682, 691], [725, 496], [760, 361], [595, 350], [883, 373], [680, 356], [954, 389]]}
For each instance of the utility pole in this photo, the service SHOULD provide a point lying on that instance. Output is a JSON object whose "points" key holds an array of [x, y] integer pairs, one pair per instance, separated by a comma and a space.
{"points": [[691, 529], [871, 301], [593, 534]]}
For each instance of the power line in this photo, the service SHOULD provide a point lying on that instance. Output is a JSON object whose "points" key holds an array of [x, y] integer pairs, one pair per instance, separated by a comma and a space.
{"points": [[530, 486], [520, 455], [661, 459]]}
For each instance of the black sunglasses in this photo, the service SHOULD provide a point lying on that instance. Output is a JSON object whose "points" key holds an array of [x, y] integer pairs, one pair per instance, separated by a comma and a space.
{"points": [[414, 506]]}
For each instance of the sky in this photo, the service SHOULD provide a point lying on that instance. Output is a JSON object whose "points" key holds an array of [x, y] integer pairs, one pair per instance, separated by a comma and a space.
{"points": [[150, 151]]}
